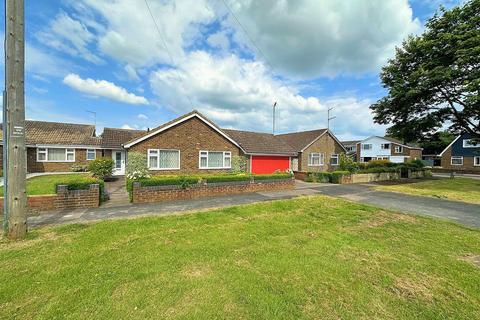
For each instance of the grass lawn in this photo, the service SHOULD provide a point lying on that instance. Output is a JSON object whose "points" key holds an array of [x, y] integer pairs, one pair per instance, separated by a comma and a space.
{"points": [[46, 184], [307, 258], [458, 189]]}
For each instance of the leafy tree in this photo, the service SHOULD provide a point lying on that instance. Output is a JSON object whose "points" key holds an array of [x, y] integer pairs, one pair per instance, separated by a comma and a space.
{"points": [[347, 163], [434, 144], [434, 78]]}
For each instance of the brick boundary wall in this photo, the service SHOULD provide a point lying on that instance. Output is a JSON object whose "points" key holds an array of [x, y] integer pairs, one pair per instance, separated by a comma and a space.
{"points": [[166, 193], [64, 199], [300, 175]]}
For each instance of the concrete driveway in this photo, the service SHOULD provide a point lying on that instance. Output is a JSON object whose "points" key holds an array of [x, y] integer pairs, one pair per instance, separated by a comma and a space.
{"points": [[466, 214]]}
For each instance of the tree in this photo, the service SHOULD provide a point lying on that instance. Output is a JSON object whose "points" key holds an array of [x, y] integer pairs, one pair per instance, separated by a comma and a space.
{"points": [[434, 79], [437, 142]]}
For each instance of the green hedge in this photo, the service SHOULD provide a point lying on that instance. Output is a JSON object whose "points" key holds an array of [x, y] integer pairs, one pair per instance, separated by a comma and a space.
{"points": [[336, 175], [378, 170], [226, 178], [271, 176], [319, 177], [83, 183]]}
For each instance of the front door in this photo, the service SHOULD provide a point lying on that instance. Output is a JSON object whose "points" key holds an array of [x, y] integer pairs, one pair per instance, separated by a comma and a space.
{"points": [[119, 163]]}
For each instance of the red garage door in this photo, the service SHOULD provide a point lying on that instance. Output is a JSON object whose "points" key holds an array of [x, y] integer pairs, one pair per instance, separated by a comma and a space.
{"points": [[269, 164]]}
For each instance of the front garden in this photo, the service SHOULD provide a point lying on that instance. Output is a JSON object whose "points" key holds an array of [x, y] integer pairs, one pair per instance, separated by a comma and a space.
{"points": [[306, 258], [349, 171]]}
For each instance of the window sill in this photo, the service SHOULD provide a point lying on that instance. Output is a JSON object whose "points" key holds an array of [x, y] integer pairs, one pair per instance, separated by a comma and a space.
{"points": [[162, 169], [46, 161], [217, 168]]}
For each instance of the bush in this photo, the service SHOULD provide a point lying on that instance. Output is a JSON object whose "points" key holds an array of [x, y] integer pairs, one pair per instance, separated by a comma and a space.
{"points": [[379, 170], [337, 175], [417, 164], [137, 166], [271, 176], [239, 164], [379, 163], [226, 178], [347, 163], [101, 167], [78, 168], [83, 183], [319, 177]]}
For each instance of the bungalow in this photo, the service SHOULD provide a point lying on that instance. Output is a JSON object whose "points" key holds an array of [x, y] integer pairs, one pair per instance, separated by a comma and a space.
{"points": [[463, 154], [386, 148], [189, 144]]}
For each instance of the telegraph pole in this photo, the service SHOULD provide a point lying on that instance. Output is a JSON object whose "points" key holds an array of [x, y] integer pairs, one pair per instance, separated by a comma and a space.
{"points": [[15, 216]]}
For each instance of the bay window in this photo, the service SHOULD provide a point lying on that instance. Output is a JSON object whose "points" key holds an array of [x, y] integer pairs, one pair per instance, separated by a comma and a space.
{"points": [[55, 155], [163, 159], [316, 159], [215, 160]]}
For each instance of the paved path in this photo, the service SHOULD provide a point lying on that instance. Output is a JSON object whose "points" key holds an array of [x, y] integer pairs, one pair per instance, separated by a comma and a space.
{"points": [[467, 214]]}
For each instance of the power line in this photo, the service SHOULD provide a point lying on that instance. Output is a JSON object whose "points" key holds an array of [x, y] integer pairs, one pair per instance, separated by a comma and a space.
{"points": [[172, 61]]}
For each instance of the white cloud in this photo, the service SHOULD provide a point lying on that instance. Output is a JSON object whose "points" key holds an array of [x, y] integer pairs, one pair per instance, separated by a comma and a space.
{"points": [[102, 88], [240, 94], [66, 34], [128, 127], [41, 63], [141, 116], [324, 37]]}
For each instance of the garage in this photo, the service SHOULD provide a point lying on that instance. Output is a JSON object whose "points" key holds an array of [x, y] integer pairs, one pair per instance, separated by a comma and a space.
{"points": [[269, 164]]}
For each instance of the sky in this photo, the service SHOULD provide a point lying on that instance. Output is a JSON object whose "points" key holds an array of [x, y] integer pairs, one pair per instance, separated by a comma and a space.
{"points": [[230, 59]]}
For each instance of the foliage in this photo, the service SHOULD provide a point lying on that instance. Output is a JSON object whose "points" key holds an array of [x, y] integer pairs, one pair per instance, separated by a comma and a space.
{"points": [[78, 168], [101, 167], [416, 163], [239, 164], [337, 175], [436, 143], [226, 178], [347, 163], [378, 170], [137, 166], [258, 177], [434, 77], [322, 177], [379, 163], [182, 181], [83, 182]]}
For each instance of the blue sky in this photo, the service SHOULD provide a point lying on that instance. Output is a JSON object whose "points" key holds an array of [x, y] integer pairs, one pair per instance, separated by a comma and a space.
{"points": [[108, 57]]}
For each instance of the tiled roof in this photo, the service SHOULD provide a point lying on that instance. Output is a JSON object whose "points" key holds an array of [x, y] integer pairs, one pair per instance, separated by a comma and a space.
{"points": [[299, 140], [114, 138], [42, 132], [255, 142], [350, 143]]}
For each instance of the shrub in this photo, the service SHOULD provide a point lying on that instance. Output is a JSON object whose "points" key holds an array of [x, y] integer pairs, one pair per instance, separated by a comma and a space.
{"points": [[272, 176], [101, 167], [379, 163], [78, 168], [337, 175], [226, 178], [319, 177], [378, 170], [239, 164], [182, 181], [137, 166], [417, 163], [347, 163]]}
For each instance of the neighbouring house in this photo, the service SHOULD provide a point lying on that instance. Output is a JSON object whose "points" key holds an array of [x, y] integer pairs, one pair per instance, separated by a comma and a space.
{"points": [[463, 154], [351, 148], [189, 144], [386, 148]]}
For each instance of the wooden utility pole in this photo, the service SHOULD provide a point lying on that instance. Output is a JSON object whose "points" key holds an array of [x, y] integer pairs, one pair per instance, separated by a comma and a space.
{"points": [[14, 120]]}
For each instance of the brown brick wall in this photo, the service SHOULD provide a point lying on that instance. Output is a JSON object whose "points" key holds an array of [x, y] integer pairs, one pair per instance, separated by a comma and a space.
{"points": [[34, 166], [189, 137], [468, 164], [327, 145], [64, 199], [156, 194]]}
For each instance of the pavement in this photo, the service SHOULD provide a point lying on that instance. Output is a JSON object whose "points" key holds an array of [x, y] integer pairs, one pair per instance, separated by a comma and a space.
{"points": [[462, 213]]}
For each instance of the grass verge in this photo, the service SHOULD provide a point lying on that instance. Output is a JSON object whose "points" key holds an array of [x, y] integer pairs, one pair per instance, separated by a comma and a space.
{"points": [[306, 258], [458, 189]]}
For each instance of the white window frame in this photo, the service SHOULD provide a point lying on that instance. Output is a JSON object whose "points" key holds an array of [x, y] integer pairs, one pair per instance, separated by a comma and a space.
{"points": [[457, 158], [475, 158], [205, 153], [366, 144], [158, 159], [398, 149], [334, 156], [321, 159], [466, 144], [45, 151], [89, 151], [382, 146]]}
